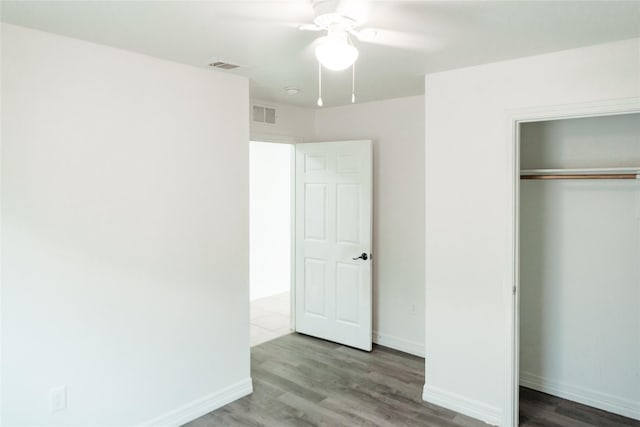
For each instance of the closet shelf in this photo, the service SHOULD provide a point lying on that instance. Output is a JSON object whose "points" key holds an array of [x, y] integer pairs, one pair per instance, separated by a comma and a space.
{"points": [[585, 173]]}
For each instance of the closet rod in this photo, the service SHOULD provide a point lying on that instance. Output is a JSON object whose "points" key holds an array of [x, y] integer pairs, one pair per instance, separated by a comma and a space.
{"points": [[583, 176], [584, 173]]}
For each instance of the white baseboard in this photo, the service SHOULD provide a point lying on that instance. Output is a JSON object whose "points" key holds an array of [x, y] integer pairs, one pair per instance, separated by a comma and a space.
{"points": [[400, 344], [204, 405], [604, 401], [472, 408]]}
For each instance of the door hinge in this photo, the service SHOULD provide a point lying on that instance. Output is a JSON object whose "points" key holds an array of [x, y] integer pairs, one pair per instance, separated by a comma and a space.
{"points": [[514, 290]]}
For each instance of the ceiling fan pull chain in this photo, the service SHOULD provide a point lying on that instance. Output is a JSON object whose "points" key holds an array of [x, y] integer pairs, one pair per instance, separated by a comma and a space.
{"points": [[319, 84], [353, 83]]}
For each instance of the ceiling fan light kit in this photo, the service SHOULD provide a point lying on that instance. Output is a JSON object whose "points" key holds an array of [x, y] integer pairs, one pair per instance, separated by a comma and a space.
{"points": [[319, 85], [335, 52]]}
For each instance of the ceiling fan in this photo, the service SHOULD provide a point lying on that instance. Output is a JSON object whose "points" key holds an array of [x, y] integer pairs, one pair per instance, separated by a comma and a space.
{"points": [[343, 22], [335, 51], [340, 19]]}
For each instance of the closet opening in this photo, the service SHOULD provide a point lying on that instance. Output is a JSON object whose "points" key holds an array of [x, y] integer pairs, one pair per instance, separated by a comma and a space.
{"points": [[577, 256]]}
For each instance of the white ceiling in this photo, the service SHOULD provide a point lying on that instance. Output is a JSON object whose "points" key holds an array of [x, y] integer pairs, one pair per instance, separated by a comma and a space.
{"points": [[263, 38]]}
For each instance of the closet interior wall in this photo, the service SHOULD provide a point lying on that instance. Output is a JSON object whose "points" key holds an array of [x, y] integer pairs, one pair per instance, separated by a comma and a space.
{"points": [[580, 264]]}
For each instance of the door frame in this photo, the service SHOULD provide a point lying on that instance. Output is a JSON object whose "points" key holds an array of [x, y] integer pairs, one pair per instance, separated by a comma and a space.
{"points": [[515, 118], [292, 141]]}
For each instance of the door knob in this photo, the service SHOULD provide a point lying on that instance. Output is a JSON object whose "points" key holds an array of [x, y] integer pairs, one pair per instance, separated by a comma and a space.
{"points": [[363, 257]]}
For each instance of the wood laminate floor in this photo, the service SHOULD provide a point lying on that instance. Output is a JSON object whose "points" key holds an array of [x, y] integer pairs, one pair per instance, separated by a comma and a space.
{"points": [[303, 381]]}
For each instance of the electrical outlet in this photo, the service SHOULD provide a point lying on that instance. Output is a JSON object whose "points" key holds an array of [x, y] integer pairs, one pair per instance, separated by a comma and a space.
{"points": [[58, 398]]}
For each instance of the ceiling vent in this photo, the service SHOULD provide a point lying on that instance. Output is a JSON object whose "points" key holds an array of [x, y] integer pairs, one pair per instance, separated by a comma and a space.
{"points": [[262, 114], [223, 65]]}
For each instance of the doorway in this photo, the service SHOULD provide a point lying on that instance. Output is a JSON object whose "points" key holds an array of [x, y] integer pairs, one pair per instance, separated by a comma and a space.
{"points": [[329, 199], [270, 241]]}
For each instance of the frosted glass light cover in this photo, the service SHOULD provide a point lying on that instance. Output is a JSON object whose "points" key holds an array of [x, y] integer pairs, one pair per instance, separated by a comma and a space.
{"points": [[336, 54]]}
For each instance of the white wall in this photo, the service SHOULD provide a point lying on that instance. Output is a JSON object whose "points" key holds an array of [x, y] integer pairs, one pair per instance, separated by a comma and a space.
{"points": [[592, 142], [579, 265], [468, 208], [293, 124], [396, 127], [270, 174], [124, 234]]}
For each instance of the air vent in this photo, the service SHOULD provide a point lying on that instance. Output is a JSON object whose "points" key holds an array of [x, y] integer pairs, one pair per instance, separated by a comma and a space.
{"points": [[262, 114], [223, 65]]}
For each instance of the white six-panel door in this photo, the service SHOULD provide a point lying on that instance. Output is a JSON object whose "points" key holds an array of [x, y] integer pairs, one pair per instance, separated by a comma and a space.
{"points": [[333, 226]]}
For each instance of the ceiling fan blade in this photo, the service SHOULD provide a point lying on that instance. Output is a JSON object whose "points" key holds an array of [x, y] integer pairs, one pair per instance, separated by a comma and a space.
{"points": [[358, 10], [367, 35], [309, 27], [398, 39]]}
